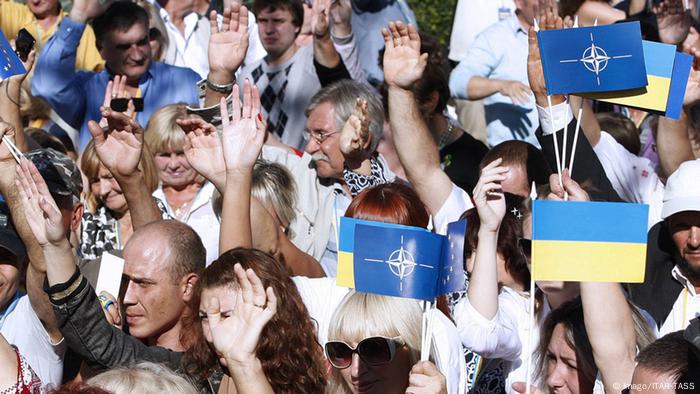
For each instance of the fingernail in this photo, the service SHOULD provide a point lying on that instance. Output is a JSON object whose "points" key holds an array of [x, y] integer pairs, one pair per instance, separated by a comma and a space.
{"points": [[260, 118]]}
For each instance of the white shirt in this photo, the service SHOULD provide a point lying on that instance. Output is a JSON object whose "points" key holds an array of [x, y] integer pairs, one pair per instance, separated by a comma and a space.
{"points": [[471, 18], [686, 307], [23, 329], [321, 297], [200, 217], [454, 206], [502, 337], [191, 48], [633, 177]]}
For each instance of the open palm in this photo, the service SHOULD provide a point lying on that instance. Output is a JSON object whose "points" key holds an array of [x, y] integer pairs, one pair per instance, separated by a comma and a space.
{"points": [[40, 209], [229, 44], [237, 336], [120, 148], [488, 196], [242, 137], [203, 149], [403, 62], [673, 21]]}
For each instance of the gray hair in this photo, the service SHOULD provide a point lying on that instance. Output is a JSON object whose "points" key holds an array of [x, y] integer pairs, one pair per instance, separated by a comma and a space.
{"points": [[144, 377], [343, 94]]}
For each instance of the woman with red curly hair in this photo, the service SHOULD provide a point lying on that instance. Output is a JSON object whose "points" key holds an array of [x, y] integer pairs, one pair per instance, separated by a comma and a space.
{"points": [[250, 313]]}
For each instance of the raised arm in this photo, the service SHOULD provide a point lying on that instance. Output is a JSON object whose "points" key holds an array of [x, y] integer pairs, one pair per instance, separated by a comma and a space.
{"points": [[55, 79], [9, 102], [242, 138], [236, 336], [36, 270], [613, 354], [403, 66], [120, 148], [77, 310], [228, 46]]}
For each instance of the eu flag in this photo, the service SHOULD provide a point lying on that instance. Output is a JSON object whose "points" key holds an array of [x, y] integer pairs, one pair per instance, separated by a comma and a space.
{"points": [[9, 63], [593, 59]]}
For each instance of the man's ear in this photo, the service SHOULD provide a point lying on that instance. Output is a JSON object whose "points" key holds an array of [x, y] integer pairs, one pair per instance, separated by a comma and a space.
{"points": [[189, 282], [76, 216]]}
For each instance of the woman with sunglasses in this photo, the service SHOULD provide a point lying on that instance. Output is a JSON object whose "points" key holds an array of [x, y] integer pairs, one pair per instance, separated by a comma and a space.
{"points": [[374, 347]]}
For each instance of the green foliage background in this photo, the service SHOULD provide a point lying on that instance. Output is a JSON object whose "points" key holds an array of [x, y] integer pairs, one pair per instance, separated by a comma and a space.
{"points": [[435, 17]]}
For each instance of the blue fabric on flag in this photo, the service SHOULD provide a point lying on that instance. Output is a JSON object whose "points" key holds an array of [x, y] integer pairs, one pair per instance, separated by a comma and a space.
{"points": [[397, 262], [593, 59], [9, 64], [452, 272]]}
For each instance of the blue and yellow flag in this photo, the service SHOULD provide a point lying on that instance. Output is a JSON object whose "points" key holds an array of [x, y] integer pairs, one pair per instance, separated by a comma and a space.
{"points": [[593, 59], [589, 241], [667, 72], [400, 261], [9, 63]]}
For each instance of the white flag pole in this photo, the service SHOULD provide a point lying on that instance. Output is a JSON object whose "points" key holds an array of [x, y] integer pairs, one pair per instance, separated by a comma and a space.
{"points": [[554, 137], [573, 147], [531, 313]]}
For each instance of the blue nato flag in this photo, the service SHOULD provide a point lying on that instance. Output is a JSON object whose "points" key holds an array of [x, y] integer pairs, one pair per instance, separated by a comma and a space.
{"points": [[593, 59], [10, 64]]}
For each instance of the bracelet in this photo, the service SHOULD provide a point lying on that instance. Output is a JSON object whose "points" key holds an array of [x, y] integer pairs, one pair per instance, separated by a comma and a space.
{"points": [[225, 88]]}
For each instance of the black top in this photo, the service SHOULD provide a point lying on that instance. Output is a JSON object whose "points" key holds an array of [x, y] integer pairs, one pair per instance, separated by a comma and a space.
{"points": [[461, 159]]}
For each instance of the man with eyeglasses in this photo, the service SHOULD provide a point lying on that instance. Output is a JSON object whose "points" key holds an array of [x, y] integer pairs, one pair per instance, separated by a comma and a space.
{"points": [[121, 30]]}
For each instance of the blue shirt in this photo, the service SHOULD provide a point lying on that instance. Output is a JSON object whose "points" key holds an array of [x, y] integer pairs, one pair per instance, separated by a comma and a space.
{"points": [[500, 52], [76, 96]]}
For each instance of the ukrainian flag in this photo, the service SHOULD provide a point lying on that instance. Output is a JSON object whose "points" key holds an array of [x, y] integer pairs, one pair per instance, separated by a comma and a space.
{"points": [[589, 241], [658, 60]]}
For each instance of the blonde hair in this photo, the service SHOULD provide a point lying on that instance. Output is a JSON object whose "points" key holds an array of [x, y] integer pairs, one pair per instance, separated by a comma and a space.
{"points": [[163, 134], [155, 21], [144, 377], [273, 184], [90, 166], [361, 315]]}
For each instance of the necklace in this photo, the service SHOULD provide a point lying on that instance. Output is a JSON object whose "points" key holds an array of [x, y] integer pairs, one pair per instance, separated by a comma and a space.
{"points": [[446, 135]]}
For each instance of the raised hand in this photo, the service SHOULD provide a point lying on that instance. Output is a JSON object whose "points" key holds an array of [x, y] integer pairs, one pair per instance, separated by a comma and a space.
{"points": [[236, 337], [403, 62], [535, 73], [117, 89], [341, 17], [42, 214], [243, 135], [571, 190], [692, 88], [320, 24], [120, 148], [488, 196], [82, 10], [203, 150], [228, 45], [673, 21], [355, 136]]}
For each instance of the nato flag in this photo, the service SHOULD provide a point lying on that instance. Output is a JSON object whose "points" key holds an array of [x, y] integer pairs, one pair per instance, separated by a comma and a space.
{"points": [[452, 267], [593, 59], [399, 262]]}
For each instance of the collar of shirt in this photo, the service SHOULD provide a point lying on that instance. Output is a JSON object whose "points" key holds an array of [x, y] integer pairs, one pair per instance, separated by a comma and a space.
{"points": [[515, 25], [191, 21], [678, 275]]}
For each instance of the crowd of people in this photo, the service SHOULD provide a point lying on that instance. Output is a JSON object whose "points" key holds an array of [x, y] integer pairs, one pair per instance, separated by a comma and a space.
{"points": [[213, 146]]}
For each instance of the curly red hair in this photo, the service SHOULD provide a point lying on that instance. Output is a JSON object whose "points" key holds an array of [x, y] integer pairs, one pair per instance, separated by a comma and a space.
{"points": [[288, 349]]}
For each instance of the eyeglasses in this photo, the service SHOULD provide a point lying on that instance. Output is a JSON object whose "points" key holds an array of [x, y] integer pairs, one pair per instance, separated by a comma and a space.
{"points": [[316, 135], [373, 351]]}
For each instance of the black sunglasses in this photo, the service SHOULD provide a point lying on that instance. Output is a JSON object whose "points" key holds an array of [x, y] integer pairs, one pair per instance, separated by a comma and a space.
{"points": [[373, 351], [121, 104]]}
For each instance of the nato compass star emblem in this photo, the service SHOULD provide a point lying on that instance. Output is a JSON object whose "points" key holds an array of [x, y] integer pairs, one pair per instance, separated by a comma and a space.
{"points": [[595, 59], [401, 263]]}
